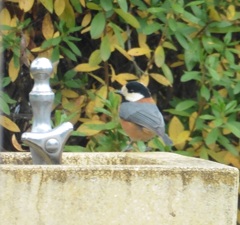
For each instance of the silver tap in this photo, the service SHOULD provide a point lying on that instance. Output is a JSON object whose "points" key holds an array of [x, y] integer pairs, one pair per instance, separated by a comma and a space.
{"points": [[46, 144]]}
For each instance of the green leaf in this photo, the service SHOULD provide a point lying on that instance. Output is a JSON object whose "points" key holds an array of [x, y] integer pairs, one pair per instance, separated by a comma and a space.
{"points": [[68, 53], [204, 153], [74, 48], [130, 19], [192, 3], [76, 5], [190, 17], [141, 146], [4, 107], [6, 98], [150, 29], [106, 4], [55, 54], [234, 127], [97, 25], [102, 110], [182, 40], [167, 72], [185, 105], [74, 148], [224, 141], [117, 31], [212, 136], [236, 89], [106, 126], [214, 74], [191, 75], [231, 107], [177, 8], [156, 10], [105, 48], [123, 5], [95, 58], [70, 74], [5, 81], [93, 6], [207, 117], [205, 93]]}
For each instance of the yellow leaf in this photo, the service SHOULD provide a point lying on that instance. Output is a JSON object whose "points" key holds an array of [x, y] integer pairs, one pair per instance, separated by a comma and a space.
{"points": [[100, 80], [12, 70], [85, 67], [213, 14], [169, 45], [144, 79], [175, 128], [90, 109], [85, 30], [232, 159], [231, 12], [83, 3], [223, 92], [95, 58], [192, 121], [85, 130], [177, 64], [37, 49], [218, 156], [138, 51], [5, 17], [159, 56], [122, 78], [69, 93], [86, 19], [68, 14], [47, 27], [56, 34], [14, 21], [48, 4], [101, 94], [181, 139], [16, 144], [160, 79], [123, 52], [59, 6], [8, 124], [26, 5], [142, 39]]}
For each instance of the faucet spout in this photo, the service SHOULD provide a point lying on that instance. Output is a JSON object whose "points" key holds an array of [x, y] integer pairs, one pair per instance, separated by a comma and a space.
{"points": [[48, 146]]}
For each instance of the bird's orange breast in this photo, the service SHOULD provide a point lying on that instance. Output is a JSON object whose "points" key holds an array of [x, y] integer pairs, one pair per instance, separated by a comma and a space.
{"points": [[136, 132]]}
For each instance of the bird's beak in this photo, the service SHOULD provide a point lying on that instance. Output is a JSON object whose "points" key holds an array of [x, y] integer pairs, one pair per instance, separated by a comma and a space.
{"points": [[119, 92]]}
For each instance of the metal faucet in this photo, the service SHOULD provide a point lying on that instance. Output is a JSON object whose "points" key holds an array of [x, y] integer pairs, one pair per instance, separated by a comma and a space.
{"points": [[46, 144]]}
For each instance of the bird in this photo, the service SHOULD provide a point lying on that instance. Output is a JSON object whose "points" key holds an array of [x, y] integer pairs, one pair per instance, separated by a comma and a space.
{"points": [[140, 117]]}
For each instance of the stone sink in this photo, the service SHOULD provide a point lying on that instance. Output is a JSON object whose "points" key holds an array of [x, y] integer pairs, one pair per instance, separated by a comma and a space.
{"points": [[117, 189]]}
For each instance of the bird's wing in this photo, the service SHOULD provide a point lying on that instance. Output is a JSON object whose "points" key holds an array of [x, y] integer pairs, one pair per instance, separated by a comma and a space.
{"points": [[143, 114]]}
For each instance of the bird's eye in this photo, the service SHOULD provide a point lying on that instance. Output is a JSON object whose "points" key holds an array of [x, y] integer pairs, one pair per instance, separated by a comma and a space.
{"points": [[131, 90]]}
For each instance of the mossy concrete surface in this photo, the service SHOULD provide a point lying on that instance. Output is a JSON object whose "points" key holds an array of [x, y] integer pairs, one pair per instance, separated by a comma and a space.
{"points": [[117, 189]]}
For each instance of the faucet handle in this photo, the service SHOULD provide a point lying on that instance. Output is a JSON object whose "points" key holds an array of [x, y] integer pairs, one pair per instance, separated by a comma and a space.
{"points": [[49, 145]]}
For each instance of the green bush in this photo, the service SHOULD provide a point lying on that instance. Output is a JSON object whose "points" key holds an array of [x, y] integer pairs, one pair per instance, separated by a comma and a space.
{"points": [[187, 52]]}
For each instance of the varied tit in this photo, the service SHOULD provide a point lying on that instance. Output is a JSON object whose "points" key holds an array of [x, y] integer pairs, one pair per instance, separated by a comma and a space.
{"points": [[140, 117]]}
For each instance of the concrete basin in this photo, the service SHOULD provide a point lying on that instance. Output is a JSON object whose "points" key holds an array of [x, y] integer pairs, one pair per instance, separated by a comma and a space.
{"points": [[117, 189]]}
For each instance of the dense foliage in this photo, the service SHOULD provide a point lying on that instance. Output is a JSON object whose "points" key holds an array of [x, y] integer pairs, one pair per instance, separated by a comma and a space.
{"points": [[187, 52]]}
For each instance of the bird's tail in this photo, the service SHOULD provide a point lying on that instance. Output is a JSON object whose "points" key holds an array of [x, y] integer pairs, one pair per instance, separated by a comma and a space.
{"points": [[166, 139]]}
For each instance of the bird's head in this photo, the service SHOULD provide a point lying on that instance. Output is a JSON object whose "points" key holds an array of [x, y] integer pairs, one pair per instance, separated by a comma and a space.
{"points": [[134, 91]]}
